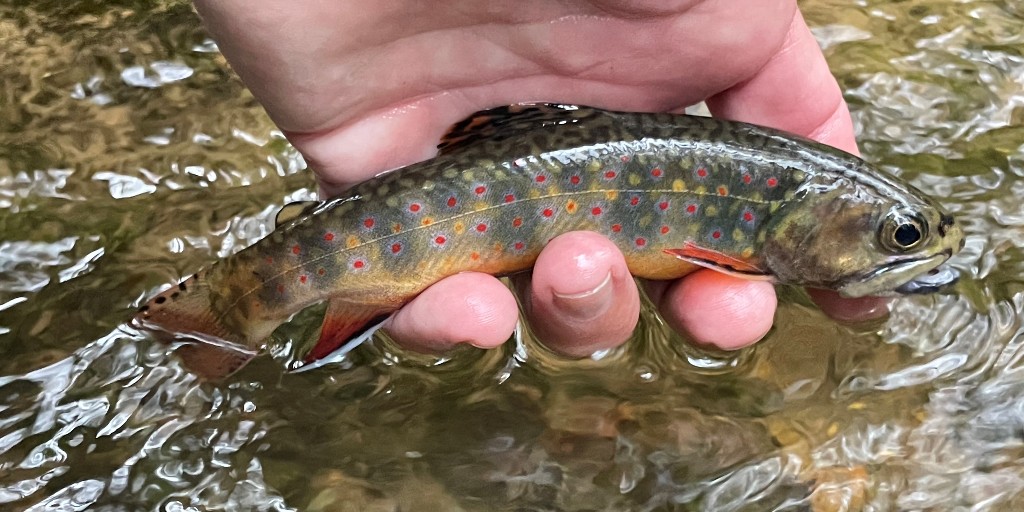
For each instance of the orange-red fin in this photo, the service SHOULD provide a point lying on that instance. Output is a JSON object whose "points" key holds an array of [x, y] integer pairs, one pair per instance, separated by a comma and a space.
{"points": [[720, 262], [345, 326]]}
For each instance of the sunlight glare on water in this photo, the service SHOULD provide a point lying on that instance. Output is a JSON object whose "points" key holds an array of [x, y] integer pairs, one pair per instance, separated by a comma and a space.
{"points": [[130, 155]]}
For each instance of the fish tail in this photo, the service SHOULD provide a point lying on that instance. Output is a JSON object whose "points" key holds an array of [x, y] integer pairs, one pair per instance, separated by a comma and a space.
{"points": [[184, 313]]}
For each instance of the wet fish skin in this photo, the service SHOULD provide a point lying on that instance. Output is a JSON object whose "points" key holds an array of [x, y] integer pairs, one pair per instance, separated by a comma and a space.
{"points": [[672, 192]]}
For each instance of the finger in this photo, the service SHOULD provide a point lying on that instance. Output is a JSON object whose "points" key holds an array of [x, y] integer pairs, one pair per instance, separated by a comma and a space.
{"points": [[717, 310], [468, 308], [849, 310], [581, 298], [794, 91]]}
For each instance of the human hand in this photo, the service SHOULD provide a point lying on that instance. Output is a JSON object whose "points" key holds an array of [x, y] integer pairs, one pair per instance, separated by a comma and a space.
{"points": [[361, 87]]}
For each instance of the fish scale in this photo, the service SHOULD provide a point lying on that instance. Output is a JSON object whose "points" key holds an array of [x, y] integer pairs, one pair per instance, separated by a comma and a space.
{"points": [[674, 193]]}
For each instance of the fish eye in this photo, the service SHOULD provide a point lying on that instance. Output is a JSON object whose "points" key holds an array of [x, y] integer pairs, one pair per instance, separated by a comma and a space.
{"points": [[902, 232]]}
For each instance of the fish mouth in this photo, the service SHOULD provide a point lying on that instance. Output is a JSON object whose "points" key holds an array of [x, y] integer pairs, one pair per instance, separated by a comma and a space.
{"points": [[905, 277]]}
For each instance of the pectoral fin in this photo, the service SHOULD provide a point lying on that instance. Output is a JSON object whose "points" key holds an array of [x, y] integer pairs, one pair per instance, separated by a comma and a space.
{"points": [[719, 262]]}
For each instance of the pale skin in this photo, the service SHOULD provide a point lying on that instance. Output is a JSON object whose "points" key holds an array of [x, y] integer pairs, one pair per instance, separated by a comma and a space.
{"points": [[364, 87]]}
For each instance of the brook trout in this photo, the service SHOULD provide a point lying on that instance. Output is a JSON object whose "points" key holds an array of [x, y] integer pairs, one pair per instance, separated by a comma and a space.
{"points": [[675, 193]]}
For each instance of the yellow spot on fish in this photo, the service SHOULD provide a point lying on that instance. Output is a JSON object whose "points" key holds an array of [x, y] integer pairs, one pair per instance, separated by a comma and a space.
{"points": [[747, 252], [680, 186], [773, 207], [392, 202], [427, 185], [351, 241], [450, 173], [633, 179], [498, 247], [383, 190], [459, 228], [711, 210], [700, 190], [611, 195], [738, 235], [856, 406], [534, 193], [480, 205], [594, 165], [427, 221], [832, 430], [571, 206], [396, 228], [467, 175]]}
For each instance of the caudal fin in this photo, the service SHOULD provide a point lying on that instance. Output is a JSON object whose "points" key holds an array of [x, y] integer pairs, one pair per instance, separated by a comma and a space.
{"points": [[184, 313]]}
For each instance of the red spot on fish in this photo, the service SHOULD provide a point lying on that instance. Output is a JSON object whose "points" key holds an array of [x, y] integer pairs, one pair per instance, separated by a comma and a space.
{"points": [[358, 264], [748, 216], [548, 212], [595, 210], [640, 242], [747, 179], [369, 222], [303, 278], [635, 200], [321, 271], [480, 189], [691, 209], [327, 237], [665, 230], [280, 288], [541, 178], [452, 202], [474, 256], [415, 207], [663, 205], [722, 190], [516, 222], [624, 158], [656, 172], [509, 198], [519, 246], [716, 234], [396, 248], [575, 180], [616, 227], [772, 182], [270, 260], [481, 227], [610, 175], [702, 173], [296, 249], [440, 240]]}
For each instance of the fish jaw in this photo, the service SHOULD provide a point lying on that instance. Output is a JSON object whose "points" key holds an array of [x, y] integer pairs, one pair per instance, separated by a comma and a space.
{"points": [[920, 275]]}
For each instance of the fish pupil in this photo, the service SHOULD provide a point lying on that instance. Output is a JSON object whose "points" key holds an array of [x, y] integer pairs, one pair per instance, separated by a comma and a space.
{"points": [[907, 235]]}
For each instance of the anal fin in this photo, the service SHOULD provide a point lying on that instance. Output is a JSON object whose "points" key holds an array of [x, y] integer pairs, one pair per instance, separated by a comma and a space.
{"points": [[344, 324]]}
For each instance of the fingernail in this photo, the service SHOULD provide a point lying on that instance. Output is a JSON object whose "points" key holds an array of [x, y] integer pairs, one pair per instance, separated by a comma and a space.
{"points": [[588, 304]]}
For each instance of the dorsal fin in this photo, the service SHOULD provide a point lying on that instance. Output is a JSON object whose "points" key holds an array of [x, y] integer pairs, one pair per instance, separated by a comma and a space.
{"points": [[504, 122], [292, 211]]}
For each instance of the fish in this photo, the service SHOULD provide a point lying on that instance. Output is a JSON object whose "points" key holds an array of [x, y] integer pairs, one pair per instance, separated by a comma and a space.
{"points": [[675, 193]]}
